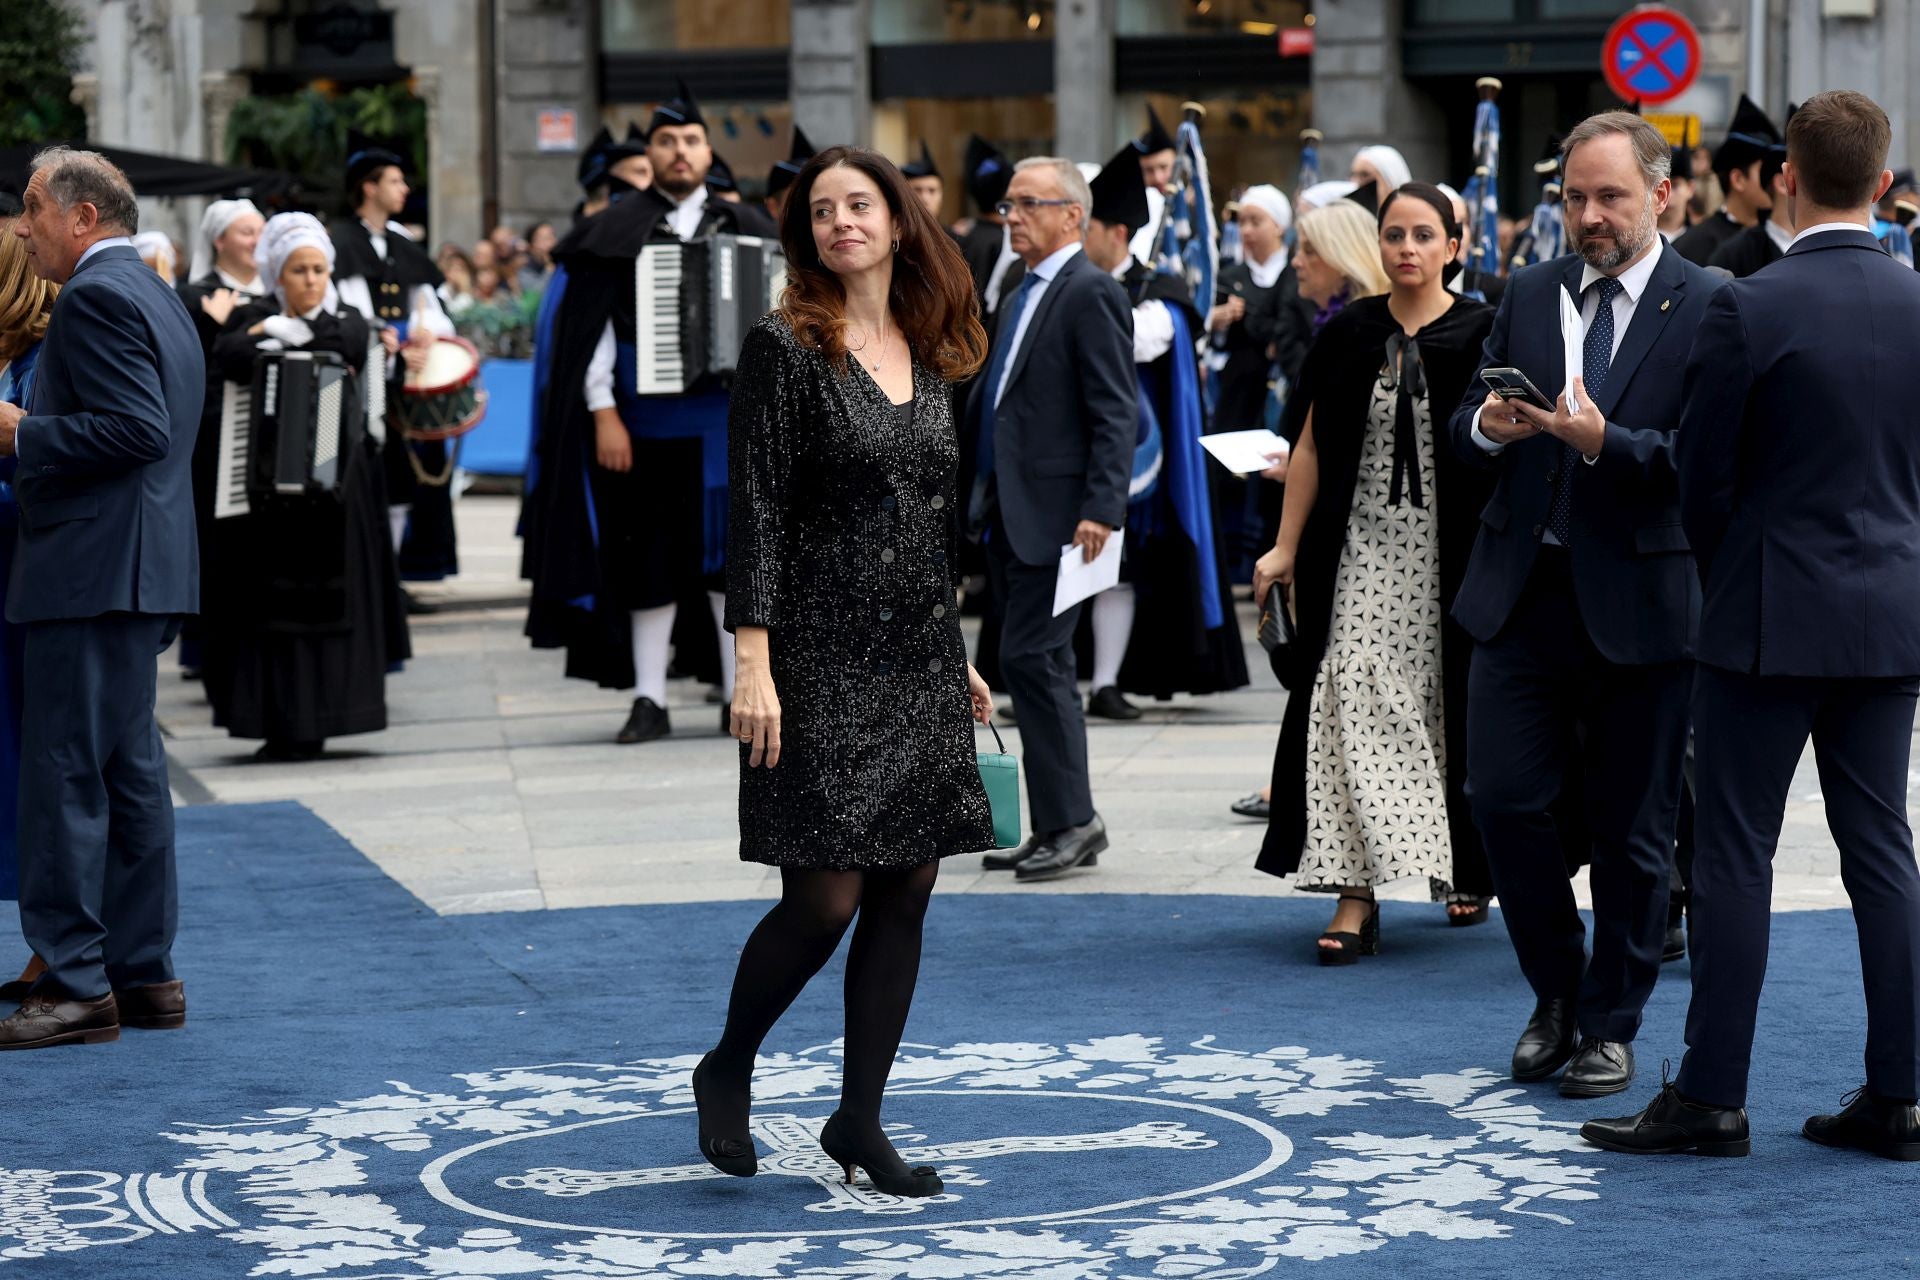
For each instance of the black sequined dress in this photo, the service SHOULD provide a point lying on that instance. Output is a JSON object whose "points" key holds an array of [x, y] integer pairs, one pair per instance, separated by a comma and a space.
{"points": [[840, 543]]}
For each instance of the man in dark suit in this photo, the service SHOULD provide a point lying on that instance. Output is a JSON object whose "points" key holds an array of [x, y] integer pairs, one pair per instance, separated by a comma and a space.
{"points": [[106, 563], [1058, 410], [1582, 601], [1800, 490]]}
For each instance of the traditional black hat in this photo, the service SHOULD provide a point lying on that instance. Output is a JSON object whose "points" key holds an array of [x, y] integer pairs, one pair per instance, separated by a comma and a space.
{"points": [[988, 172], [594, 161], [1120, 192], [678, 110], [1749, 138], [785, 171], [1776, 158], [1156, 138], [923, 167], [1681, 166], [720, 176], [1367, 196], [1903, 179], [634, 144], [366, 158]]}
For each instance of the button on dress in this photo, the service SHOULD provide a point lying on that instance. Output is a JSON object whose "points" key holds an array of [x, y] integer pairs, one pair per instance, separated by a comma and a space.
{"points": [[837, 544]]}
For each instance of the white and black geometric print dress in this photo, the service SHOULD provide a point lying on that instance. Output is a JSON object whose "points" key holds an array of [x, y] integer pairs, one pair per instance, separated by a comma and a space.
{"points": [[1376, 753]]}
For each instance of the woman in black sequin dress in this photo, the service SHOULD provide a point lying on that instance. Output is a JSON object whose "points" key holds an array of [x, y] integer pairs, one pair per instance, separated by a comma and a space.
{"points": [[855, 698]]}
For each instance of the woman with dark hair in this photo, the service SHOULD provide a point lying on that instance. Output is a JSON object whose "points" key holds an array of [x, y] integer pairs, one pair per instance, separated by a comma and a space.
{"points": [[854, 692], [1379, 520], [26, 307]]}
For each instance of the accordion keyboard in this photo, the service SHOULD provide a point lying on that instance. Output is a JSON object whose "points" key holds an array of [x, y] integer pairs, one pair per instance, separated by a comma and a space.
{"points": [[657, 319], [235, 455]]}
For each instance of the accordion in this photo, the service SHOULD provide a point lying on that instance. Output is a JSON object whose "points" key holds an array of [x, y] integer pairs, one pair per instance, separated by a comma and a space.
{"points": [[288, 433], [693, 304]]}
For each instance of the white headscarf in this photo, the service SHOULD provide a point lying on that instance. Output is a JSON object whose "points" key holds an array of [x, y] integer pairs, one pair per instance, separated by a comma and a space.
{"points": [[155, 247], [1273, 202], [220, 215], [1322, 194], [1389, 164], [284, 233]]}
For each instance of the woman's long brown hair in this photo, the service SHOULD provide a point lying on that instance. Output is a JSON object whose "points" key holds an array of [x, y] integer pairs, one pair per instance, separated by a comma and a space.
{"points": [[26, 301], [932, 296]]}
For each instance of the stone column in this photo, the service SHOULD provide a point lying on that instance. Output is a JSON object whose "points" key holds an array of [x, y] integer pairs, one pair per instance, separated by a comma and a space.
{"points": [[545, 56], [832, 70], [220, 93], [444, 42], [1359, 94], [1083, 34], [86, 96]]}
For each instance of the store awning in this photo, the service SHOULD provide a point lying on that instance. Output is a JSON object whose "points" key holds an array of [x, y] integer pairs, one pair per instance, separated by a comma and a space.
{"points": [[158, 175]]}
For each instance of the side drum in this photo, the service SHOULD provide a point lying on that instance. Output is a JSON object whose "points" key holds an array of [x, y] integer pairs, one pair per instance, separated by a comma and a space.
{"points": [[440, 400]]}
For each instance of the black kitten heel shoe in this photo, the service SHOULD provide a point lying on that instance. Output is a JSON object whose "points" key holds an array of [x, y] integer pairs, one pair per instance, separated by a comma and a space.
{"points": [[917, 1182], [1352, 945], [732, 1156]]}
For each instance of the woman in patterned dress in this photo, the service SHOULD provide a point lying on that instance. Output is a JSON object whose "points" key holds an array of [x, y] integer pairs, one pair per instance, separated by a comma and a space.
{"points": [[1378, 525], [855, 698]]}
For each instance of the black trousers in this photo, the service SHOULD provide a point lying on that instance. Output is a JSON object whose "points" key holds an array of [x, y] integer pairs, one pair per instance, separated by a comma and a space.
{"points": [[98, 896], [1749, 733], [1037, 665], [1529, 689]]}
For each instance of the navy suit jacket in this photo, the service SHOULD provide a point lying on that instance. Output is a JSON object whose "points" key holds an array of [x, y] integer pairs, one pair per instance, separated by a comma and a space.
{"points": [[104, 481], [1063, 433], [1800, 464], [1632, 576]]}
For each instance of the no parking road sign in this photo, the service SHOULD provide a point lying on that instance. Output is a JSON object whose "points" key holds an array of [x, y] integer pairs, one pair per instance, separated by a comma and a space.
{"points": [[1651, 55]]}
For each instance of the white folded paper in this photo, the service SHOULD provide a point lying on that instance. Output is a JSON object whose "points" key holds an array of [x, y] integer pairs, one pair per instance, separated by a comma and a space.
{"points": [[1080, 580], [1573, 340], [1244, 452]]}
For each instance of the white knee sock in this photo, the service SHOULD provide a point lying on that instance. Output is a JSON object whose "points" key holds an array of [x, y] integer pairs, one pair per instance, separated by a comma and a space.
{"points": [[652, 643], [718, 599], [1112, 628], [397, 521]]}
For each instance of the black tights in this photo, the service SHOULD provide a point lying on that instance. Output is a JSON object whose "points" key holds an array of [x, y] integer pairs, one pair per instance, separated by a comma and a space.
{"points": [[790, 945]]}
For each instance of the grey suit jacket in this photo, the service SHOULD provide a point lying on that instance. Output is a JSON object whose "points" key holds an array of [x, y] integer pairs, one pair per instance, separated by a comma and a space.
{"points": [[1063, 433], [104, 481]]}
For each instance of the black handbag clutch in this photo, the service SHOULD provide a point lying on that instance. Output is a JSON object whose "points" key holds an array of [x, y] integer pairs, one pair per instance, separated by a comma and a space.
{"points": [[1278, 636]]}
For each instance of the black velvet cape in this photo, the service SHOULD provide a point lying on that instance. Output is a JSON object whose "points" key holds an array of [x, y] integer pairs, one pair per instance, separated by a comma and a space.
{"points": [[1336, 382]]}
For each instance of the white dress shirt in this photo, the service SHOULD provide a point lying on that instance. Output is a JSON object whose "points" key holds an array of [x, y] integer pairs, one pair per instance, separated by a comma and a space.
{"points": [[1633, 283], [111, 242], [1152, 323], [1781, 237], [1042, 275], [354, 292], [684, 218], [990, 297], [1824, 227]]}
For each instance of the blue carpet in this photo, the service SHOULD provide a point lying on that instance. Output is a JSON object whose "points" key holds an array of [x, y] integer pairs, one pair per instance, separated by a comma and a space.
{"points": [[1114, 1086]]}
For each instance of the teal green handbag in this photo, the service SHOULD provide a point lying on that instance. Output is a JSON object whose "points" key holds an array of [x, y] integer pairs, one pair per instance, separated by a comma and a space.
{"points": [[1000, 775]]}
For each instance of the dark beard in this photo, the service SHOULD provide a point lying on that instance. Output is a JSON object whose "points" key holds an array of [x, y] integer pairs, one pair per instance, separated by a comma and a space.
{"points": [[669, 188]]}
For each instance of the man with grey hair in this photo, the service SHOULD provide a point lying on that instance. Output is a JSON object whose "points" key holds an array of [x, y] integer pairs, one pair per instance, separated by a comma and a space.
{"points": [[1057, 413], [1582, 602], [105, 565]]}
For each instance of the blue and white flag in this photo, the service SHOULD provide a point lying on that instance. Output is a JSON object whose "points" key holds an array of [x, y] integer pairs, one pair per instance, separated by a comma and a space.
{"points": [[1189, 242], [1482, 196]]}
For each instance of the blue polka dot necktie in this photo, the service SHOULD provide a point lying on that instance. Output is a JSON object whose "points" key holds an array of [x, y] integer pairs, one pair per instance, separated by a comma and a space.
{"points": [[1596, 362]]}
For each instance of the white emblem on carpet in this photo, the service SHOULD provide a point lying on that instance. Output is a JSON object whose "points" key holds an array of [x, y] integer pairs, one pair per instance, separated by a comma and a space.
{"points": [[1213, 1186]]}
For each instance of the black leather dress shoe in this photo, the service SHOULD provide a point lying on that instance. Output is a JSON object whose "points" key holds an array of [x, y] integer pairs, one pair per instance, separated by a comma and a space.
{"points": [[1672, 1126], [156, 1006], [1253, 806], [1062, 851], [1012, 857], [1675, 946], [1547, 1042], [1598, 1068], [1110, 704], [647, 722], [49, 1016], [1870, 1123]]}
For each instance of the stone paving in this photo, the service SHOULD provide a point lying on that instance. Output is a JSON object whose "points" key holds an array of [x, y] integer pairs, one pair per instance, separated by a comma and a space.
{"points": [[498, 786]]}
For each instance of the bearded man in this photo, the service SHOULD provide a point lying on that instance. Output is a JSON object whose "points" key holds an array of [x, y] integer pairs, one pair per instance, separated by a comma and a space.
{"points": [[1582, 599]]}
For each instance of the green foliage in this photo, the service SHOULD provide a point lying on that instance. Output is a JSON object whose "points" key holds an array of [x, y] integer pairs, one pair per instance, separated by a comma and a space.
{"points": [[40, 44], [305, 133], [502, 327]]}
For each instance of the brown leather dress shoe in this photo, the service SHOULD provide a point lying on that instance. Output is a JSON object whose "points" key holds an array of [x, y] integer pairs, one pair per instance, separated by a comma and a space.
{"points": [[49, 1016], [158, 1006]]}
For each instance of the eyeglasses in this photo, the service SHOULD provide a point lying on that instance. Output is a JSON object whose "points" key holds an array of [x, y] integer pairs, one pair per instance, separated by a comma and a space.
{"points": [[1027, 205]]}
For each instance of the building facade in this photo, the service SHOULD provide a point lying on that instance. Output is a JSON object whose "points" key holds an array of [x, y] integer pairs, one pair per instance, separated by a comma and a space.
{"points": [[514, 87]]}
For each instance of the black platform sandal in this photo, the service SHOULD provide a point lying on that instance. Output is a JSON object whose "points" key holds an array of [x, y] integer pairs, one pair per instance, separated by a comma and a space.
{"points": [[918, 1182], [1477, 913], [1353, 945], [734, 1157]]}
